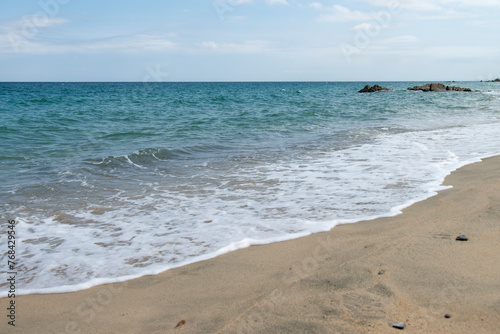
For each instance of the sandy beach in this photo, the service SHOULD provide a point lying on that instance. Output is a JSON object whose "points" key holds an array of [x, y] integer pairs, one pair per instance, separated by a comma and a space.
{"points": [[357, 278]]}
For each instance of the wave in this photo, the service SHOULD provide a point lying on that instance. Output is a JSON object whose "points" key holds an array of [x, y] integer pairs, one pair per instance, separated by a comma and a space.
{"points": [[127, 135], [492, 92], [147, 157]]}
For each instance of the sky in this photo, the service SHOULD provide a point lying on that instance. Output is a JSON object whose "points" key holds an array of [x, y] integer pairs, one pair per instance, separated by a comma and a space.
{"points": [[249, 40]]}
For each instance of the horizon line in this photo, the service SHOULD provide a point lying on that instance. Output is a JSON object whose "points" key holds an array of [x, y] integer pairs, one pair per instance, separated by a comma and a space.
{"points": [[249, 81]]}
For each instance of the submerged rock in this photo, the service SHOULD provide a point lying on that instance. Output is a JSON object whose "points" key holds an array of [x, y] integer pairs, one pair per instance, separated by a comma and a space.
{"points": [[439, 87], [370, 89]]}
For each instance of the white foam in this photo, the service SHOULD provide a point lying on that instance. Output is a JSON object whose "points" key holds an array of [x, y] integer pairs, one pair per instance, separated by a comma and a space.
{"points": [[492, 92], [253, 202], [133, 163]]}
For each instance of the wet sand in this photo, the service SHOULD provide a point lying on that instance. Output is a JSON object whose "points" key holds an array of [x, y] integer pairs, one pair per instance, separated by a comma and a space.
{"points": [[357, 278]]}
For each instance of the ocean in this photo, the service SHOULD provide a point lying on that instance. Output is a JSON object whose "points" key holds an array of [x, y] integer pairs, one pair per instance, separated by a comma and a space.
{"points": [[113, 181]]}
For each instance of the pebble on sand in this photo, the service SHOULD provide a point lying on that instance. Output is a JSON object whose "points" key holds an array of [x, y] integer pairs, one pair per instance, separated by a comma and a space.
{"points": [[447, 316], [399, 325], [462, 238], [181, 323]]}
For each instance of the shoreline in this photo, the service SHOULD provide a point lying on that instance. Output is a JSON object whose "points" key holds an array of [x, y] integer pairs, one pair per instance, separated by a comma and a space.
{"points": [[242, 244], [360, 277]]}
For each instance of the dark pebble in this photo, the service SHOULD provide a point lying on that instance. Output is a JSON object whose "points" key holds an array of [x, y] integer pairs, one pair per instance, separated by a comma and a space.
{"points": [[447, 316], [381, 272], [462, 238], [399, 325], [181, 323]]}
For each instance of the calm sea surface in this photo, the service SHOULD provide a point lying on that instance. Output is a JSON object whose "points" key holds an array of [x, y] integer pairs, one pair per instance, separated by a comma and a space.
{"points": [[110, 181]]}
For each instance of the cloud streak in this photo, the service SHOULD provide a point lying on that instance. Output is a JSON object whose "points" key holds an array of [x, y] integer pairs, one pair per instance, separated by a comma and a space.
{"points": [[131, 43], [409, 9], [277, 2], [338, 13], [244, 47]]}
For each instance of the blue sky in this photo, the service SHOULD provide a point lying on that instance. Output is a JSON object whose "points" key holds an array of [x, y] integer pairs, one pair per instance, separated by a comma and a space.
{"points": [[249, 40]]}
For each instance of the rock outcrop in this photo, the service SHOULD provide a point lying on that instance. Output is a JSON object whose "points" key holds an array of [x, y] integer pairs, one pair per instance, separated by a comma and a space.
{"points": [[375, 88], [458, 89], [438, 87]]}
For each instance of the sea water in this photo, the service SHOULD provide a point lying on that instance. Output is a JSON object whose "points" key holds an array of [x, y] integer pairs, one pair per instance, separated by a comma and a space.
{"points": [[111, 181]]}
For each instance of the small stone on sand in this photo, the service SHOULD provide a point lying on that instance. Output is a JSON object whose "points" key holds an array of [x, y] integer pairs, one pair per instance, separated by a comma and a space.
{"points": [[181, 323], [399, 325], [462, 238]]}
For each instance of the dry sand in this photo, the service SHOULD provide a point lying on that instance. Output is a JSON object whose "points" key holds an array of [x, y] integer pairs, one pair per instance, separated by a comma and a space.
{"points": [[324, 283]]}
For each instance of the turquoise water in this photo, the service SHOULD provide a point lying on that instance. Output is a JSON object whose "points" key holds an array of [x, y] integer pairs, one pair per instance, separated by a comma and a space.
{"points": [[110, 181]]}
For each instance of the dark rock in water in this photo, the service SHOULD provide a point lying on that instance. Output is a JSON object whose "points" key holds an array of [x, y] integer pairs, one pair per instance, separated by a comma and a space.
{"points": [[447, 316], [438, 87], [375, 88], [424, 88], [462, 238], [458, 89], [399, 325], [496, 80]]}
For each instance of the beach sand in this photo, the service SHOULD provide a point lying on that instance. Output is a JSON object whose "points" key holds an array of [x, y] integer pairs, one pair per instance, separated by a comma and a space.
{"points": [[356, 278]]}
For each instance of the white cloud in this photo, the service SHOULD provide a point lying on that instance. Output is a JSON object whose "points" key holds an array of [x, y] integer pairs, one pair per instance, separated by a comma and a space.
{"points": [[408, 9], [29, 25], [317, 5], [25, 31], [244, 47], [133, 43], [397, 49], [405, 39], [277, 2], [234, 2], [457, 52], [43, 21], [432, 5], [130, 43], [338, 13], [210, 45], [461, 3], [413, 5], [365, 26]]}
